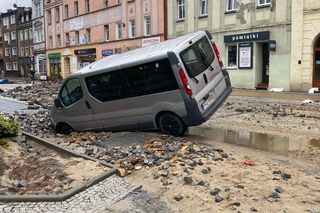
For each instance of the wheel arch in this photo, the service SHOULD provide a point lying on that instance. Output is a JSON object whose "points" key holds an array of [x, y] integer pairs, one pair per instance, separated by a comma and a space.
{"points": [[156, 120]]}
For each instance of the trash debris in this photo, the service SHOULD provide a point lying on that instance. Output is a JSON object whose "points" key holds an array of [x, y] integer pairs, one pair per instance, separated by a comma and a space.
{"points": [[313, 90], [249, 162], [307, 101], [276, 90]]}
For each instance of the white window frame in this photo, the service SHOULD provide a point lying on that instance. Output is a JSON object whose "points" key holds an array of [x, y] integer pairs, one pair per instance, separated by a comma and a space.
{"points": [[118, 31], [6, 37], [26, 34], [227, 54], [30, 33], [15, 65], [14, 50], [21, 33], [13, 35], [232, 5], [264, 3], [13, 19], [181, 9], [6, 52], [203, 5], [107, 32], [22, 52], [147, 25], [5, 21], [132, 28], [8, 66]]}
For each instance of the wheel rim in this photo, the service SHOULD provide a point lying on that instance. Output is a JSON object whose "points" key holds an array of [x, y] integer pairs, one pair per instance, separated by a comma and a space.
{"points": [[170, 125]]}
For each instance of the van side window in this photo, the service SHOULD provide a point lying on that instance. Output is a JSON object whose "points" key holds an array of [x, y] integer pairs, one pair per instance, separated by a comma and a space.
{"points": [[149, 78], [107, 87], [71, 92]]}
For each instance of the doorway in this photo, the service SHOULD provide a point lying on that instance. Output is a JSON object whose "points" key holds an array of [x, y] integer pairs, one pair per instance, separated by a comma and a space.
{"points": [[265, 63], [316, 64]]}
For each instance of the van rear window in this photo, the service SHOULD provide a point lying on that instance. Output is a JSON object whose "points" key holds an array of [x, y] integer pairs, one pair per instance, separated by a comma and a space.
{"points": [[198, 57]]}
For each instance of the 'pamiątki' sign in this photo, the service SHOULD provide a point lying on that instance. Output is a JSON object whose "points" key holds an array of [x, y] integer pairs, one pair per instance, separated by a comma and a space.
{"points": [[265, 35]]}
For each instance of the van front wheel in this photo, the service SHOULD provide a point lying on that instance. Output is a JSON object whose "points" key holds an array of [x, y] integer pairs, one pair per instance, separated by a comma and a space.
{"points": [[171, 124]]}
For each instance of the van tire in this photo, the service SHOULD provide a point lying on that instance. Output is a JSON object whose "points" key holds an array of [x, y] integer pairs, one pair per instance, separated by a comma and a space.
{"points": [[171, 124], [64, 128]]}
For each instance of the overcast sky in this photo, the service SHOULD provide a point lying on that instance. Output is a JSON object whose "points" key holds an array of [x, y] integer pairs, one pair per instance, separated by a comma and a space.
{"points": [[7, 4]]}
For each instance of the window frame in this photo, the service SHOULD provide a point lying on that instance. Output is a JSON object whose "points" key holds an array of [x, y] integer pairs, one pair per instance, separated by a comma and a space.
{"points": [[75, 8], [66, 11], [57, 14], [206, 6], [147, 26], [87, 6], [15, 35], [7, 52], [236, 59], [66, 86], [181, 4], [264, 4], [107, 32], [233, 7], [15, 65], [10, 66], [12, 19], [132, 28], [118, 31], [14, 50]]}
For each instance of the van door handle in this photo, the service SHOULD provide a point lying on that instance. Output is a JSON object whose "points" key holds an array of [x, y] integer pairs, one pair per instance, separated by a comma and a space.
{"points": [[88, 105], [205, 78]]}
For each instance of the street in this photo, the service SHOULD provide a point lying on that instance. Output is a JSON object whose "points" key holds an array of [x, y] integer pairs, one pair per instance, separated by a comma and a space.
{"points": [[253, 155]]}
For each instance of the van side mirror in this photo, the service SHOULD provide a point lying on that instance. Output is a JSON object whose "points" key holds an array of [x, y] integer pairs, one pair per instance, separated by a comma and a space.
{"points": [[58, 103]]}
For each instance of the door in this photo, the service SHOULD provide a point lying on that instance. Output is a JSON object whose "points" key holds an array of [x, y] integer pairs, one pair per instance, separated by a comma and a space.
{"points": [[77, 111], [316, 64], [265, 63]]}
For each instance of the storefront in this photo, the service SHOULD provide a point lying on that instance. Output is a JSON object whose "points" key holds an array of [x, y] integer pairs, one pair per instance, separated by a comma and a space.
{"points": [[54, 65], [252, 59], [40, 65], [85, 57]]}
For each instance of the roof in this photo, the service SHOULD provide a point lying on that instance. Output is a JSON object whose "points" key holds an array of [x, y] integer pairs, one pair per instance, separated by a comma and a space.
{"points": [[134, 56]]}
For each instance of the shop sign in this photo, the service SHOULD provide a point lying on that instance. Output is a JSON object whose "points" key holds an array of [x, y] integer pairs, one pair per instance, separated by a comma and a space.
{"points": [[245, 55], [107, 52], [89, 58], [272, 45], [38, 52], [265, 35], [85, 51], [54, 55], [41, 57], [39, 46], [150, 41]]}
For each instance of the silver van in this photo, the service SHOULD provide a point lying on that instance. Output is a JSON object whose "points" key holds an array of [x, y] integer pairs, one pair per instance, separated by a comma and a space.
{"points": [[168, 86]]}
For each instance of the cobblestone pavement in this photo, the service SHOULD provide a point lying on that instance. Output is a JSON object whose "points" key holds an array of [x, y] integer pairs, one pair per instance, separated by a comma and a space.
{"points": [[107, 192]]}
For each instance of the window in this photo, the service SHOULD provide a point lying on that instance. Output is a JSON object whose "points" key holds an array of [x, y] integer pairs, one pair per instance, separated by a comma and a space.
{"points": [[77, 37], [264, 2], [50, 42], [21, 35], [15, 65], [22, 19], [31, 51], [49, 17], [198, 57], [30, 33], [22, 52], [7, 52], [119, 1], [71, 92], [27, 18], [67, 39], [37, 9], [57, 14], [66, 11], [232, 5], [147, 26], [132, 27], [58, 41], [88, 36], [13, 35], [26, 51], [181, 9], [203, 7], [118, 31], [106, 3], [6, 21], [14, 51], [6, 37], [8, 66], [106, 32], [76, 8], [26, 34], [12, 19], [87, 6], [232, 56]]}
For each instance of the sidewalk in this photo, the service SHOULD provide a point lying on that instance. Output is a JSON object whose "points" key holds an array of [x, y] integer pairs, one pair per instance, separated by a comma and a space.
{"points": [[300, 96]]}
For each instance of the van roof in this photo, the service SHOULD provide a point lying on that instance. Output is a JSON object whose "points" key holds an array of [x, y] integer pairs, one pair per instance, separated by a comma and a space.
{"points": [[151, 52]]}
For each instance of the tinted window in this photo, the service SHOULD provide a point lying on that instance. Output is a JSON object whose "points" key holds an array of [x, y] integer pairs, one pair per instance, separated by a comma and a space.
{"points": [[198, 57], [150, 78], [71, 92], [107, 86]]}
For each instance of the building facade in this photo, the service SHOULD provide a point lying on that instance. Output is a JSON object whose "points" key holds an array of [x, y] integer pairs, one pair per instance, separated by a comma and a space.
{"points": [[39, 46], [10, 43], [1, 52], [25, 41], [80, 32], [254, 37]]}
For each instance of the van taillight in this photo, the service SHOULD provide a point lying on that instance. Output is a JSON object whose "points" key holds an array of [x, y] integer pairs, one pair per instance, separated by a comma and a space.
{"points": [[216, 51], [185, 82]]}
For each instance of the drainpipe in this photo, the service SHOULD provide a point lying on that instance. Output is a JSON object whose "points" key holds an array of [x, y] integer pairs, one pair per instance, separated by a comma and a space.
{"points": [[165, 11]]}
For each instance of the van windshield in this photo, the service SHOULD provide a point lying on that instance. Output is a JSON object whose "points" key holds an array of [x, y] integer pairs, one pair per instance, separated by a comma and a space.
{"points": [[198, 57]]}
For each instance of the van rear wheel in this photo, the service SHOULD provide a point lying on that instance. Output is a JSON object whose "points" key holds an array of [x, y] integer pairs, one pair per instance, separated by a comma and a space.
{"points": [[171, 124], [64, 129]]}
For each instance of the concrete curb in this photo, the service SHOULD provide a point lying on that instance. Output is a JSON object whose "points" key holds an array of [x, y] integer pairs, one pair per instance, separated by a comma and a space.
{"points": [[68, 194]]}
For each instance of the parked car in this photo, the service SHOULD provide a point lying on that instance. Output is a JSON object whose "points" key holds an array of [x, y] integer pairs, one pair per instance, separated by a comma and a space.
{"points": [[168, 86]]}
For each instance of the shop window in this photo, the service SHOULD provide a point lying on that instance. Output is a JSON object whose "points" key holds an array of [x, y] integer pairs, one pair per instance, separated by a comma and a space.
{"points": [[181, 9], [203, 7], [232, 56], [232, 5], [264, 2], [147, 26], [55, 66], [71, 92], [132, 28]]}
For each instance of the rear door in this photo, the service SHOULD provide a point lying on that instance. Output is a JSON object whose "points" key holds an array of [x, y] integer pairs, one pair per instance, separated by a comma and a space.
{"points": [[204, 71]]}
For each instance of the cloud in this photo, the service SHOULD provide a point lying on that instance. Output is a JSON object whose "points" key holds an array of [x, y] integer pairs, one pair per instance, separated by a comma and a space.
{"points": [[8, 4]]}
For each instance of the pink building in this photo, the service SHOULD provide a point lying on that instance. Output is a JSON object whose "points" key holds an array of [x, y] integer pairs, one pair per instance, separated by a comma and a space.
{"points": [[79, 32]]}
